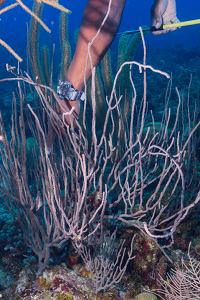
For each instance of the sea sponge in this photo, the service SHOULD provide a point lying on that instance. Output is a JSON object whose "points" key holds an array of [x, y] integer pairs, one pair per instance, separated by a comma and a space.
{"points": [[145, 296]]}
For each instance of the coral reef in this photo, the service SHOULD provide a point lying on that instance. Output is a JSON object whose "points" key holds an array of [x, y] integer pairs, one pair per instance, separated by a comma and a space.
{"points": [[149, 265], [57, 282]]}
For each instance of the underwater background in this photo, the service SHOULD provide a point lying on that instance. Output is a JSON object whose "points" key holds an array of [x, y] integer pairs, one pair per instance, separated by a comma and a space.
{"points": [[136, 13], [176, 53], [13, 30]]}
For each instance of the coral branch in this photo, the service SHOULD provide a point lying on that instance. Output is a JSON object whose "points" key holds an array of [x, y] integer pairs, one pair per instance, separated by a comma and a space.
{"points": [[11, 50], [55, 4], [34, 15]]}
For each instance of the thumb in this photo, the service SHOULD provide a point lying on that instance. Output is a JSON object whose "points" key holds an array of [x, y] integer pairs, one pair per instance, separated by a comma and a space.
{"points": [[156, 18], [158, 21], [157, 10]]}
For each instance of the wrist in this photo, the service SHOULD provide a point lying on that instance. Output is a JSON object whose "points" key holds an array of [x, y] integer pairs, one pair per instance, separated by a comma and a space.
{"points": [[66, 91]]}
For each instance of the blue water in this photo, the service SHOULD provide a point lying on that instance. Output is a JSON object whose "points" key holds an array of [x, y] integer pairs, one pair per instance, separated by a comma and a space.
{"points": [[136, 13]]}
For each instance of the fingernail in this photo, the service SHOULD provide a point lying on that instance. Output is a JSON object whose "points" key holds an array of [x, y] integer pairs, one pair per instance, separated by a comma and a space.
{"points": [[157, 25]]}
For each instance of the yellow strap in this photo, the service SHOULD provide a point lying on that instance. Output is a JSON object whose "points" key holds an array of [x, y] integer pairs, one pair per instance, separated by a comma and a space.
{"points": [[181, 24]]}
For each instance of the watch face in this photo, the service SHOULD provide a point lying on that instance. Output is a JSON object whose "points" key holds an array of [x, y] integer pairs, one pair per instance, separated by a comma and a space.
{"points": [[63, 89], [66, 91]]}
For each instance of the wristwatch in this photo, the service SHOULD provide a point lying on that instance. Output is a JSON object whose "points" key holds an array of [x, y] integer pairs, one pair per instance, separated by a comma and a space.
{"points": [[66, 91]]}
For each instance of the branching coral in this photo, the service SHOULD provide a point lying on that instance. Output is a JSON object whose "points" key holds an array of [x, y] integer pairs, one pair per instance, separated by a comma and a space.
{"points": [[181, 283], [64, 45], [53, 3], [33, 43]]}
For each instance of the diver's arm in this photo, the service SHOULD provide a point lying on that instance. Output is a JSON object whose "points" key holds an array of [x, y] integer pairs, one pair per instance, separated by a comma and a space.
{"points": [[93, 16], [94, 13], [163, 12]]}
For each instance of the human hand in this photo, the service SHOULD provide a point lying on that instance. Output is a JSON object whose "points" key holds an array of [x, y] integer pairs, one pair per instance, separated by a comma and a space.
{"points": [[163, 12], [68, 112]]}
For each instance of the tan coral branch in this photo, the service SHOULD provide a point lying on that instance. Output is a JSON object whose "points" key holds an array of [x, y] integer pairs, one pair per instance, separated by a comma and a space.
{"points": [[56, 5], [8, 8], [32, 14], [53, 3], [11, 50]]}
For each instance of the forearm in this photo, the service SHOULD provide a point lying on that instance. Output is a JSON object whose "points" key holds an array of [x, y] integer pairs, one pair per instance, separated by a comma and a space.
{"points": [[93, 16]]}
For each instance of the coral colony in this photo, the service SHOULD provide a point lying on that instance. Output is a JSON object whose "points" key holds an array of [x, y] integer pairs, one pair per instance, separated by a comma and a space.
{"points": [[113, 207]]}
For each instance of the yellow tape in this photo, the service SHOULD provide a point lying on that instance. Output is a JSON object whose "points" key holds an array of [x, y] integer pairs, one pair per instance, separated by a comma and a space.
{"points": [[181, 24]]}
